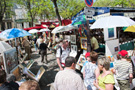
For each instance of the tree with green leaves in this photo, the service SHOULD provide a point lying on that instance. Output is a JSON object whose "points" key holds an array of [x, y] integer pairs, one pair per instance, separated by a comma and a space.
{"points": [[69, 8], [104, 3], [46, 10], [114, 3], [5, 7], [32, 6]]}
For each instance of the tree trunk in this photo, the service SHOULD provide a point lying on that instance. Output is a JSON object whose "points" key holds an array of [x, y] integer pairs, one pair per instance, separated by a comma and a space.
{"points": [[32, 22], [1, 17], [57, 12], [88, 38]]}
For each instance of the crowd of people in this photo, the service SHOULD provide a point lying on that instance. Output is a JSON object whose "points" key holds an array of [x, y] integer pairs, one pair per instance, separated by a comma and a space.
{"points": [[96, 71]]}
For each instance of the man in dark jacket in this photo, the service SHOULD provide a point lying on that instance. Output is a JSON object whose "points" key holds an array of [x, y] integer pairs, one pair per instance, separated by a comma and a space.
{"points": [[3, 84], [43, 51]]}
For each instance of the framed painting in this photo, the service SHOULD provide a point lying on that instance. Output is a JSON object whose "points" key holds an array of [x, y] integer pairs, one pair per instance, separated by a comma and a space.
{"points": [[74, 47], [110, 33], [10, 59], [67, 37], [83, 41], [16, 71], [73, 39], [81, 60]]}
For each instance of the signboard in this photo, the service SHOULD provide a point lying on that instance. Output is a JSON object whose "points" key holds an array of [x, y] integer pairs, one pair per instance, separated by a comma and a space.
{"points": [[89, 17], [89, 3], [89, 12], [99, 11]]}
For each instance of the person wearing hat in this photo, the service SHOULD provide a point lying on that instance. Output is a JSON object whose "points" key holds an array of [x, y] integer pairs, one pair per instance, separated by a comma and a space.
{"points": [[124, 70]]}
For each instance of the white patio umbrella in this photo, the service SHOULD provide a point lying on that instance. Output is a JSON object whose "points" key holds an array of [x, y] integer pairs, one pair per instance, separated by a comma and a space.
{"points": [[33, 31], [58, 29], [70, 27], [43, 30], [112, 21], [45, 26]]}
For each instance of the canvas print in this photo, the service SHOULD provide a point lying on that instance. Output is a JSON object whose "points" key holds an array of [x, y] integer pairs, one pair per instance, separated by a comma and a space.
{"points": [[67, 37], [83, 41], [81, 60], [110, 32], [10, 59], [73, 39], [116, 49], [74, 47], [16, 72]]}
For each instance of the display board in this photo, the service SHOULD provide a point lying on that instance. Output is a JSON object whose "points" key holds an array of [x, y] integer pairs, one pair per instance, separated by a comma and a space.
{"points": [[112, 47]]}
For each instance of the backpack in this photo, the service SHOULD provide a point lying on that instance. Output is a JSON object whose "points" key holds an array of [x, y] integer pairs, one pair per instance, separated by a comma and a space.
{"points": [[59, 47]]}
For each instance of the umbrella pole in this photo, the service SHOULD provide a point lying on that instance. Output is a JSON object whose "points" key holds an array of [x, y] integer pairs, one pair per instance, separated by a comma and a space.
{"points": [[16, 49], [119, 38]]}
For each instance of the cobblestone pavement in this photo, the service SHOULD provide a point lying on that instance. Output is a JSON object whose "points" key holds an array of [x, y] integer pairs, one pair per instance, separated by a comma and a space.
{"points": [[51, 68]]}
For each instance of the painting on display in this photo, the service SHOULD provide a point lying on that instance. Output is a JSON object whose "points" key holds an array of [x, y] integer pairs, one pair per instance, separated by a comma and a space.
{"points": [[74, 47], [73, 39], [16, 72], [110, 32], [81, 60], [67, 37], [112, 47], [10, 59], [83, 41]]}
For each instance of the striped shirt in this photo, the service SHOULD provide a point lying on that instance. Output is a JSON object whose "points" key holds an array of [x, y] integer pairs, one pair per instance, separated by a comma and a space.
{"points": [[123, 69]]}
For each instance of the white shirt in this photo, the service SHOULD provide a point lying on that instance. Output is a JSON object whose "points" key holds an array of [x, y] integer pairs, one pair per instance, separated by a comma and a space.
{"points": [[65, 54], [39, 41], [68, 79]]}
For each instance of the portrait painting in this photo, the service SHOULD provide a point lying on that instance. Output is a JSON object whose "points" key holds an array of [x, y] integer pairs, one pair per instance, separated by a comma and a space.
{"points": [[73, 39], [83, 41]]}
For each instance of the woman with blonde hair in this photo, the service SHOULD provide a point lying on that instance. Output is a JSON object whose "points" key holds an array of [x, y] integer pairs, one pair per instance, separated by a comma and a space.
{"points": [[105, 79]]}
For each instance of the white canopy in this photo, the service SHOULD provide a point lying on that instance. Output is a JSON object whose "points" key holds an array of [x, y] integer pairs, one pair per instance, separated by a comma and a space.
{"points": [[4, 46], [112, 21]]}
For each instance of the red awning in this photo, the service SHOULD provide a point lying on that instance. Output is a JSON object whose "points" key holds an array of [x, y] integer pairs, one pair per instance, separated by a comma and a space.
{"points": [[36, 27]]}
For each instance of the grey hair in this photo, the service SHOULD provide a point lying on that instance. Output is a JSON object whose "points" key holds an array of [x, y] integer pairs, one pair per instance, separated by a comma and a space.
{"points": [[105, 62]]}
